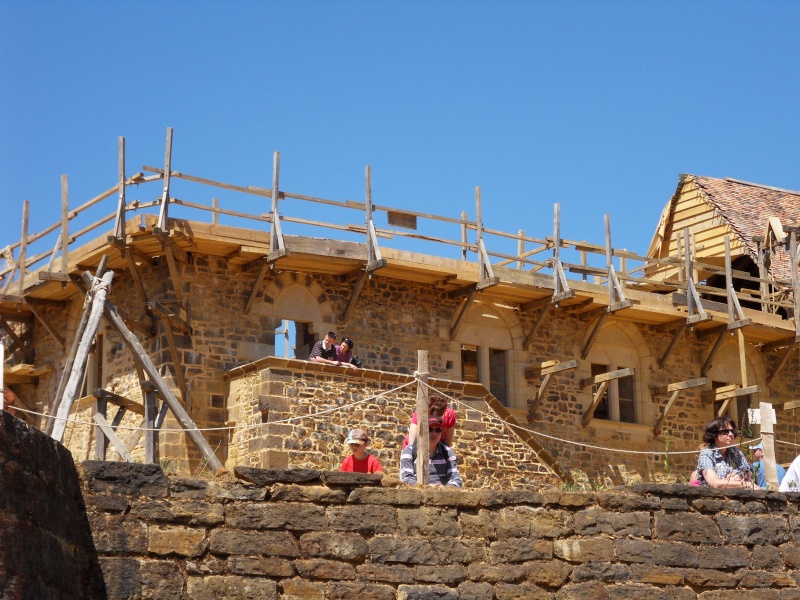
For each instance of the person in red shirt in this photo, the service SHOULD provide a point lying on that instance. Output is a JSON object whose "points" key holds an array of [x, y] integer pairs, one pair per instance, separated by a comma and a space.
{"points": [[359, 461], [437, 407]]}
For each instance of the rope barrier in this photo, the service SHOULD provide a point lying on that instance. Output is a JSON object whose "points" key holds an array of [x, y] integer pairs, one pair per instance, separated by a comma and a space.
{"points": [[565, 441], [230, 427]]}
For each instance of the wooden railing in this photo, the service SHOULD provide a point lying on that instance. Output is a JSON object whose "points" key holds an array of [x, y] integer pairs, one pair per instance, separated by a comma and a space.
{"points": [[550, 255]]}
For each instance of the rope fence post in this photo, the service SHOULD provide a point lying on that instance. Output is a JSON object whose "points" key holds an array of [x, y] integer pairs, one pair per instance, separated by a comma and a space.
{"points": [[423, 439], [768, 440]]}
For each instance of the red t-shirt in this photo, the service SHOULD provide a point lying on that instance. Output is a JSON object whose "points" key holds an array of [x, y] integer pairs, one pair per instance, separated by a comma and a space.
{"points": [[367, 465], [448, 421]]}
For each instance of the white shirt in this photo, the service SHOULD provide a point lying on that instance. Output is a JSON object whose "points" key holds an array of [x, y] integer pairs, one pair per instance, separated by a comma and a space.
{"points": [[791, 482]]}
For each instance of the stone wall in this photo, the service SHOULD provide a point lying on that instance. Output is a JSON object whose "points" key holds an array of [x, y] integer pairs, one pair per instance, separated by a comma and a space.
{"points": [[46, 549], [390, 322], [297, 414], [335, 536]]}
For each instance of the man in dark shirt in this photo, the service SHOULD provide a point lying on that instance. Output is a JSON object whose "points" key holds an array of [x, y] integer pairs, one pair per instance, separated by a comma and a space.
{"points": [[324, 351]]}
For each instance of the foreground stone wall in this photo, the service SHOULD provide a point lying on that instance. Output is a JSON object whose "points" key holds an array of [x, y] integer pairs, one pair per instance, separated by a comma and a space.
{"points": [[334, 536], [46, 549], [297, 414]]}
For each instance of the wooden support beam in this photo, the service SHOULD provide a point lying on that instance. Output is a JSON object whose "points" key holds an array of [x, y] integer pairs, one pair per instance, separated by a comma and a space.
{"points": [[784, 359], [180, 413], [728, 392], [707, 363], [674, 342], [768, 441], [723, 328], [423, 439], [536, 324], [64, 224], [354, 297], [173, 273], [550, 367], [548, 370], [460, 313], [17, 341], [163, 215], [660, 423], [112, 437], [150, 435], [100, 440], [589, 413], [176, 359], [659, 390], [39, 314], [99, 291], [536, 304], [177, 318], [602, 377], [675, 389], [592, 336], [120, 401], [262, 273]]}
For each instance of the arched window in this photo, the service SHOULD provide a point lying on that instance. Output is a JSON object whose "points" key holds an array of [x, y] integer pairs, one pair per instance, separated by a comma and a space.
{"points": [[626, 399], [726, 371]]}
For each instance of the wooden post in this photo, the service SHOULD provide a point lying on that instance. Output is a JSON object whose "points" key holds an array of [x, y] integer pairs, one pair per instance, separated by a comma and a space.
{"points": [[689, 276], [215, 214], [2, 370], [111, 315], [150, 434], [64, 224], [275, 242], [464, 235], [119, 224], [100, 440], [612, 291], [520, 247], [163, 215], [479, 231], [768, 440], [23, 248], [99, 290], [423, 440]]}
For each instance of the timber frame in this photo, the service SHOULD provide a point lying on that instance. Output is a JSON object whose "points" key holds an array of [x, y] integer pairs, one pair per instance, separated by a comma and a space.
{"points": [[45, 270]]}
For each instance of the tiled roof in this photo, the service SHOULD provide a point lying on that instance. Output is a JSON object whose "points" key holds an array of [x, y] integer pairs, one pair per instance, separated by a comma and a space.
{"points": [[747, 207]]}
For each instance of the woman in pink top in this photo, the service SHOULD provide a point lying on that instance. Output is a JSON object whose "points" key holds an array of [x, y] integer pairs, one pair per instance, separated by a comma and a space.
{"points": [[437, 407]]}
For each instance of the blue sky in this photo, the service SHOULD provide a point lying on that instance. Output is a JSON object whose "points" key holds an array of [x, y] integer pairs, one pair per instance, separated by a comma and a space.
{"points": [[596, 105]]}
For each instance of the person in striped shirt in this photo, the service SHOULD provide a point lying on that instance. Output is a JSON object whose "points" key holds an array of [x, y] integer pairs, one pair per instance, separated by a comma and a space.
{"points": [[443, 467]]}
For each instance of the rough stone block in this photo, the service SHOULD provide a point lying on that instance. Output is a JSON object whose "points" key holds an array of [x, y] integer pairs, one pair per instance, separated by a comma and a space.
{"points": [[320, 568], [754, 529], [446, 574], [672, 554], [549, 573], [767, 558], [386, 573], [791, 555], [606, 572], [131, 479], [521, 591], [426, 592], [267, 543], [722, 557], [524, 522], [584, 550], [114, 534], [185, 487], [470, 590], [740, 595], [687, 527], [351, 479], [495, 573], [719, 505], [232, 587], [362, 519], [181, 541], [627, 502], [592, 590], [405, 496], [765, 579], [210, 565], [264, 477], [479, 525], [594, 520], [450, 496], [644, 573], [289, 515], [342, 546], [519, 550], [340, 590], [263, 566], [709, 578], [189, 512], [385, 549], [425, 521], [634, 592], [135, 578]]}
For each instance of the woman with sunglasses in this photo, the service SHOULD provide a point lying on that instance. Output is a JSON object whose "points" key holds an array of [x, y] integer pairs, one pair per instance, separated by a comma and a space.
{"points": [[721, 464], [441, 459]]}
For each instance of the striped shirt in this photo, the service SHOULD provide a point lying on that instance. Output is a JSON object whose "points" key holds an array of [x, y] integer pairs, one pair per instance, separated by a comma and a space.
{"points": [[443, 468]]}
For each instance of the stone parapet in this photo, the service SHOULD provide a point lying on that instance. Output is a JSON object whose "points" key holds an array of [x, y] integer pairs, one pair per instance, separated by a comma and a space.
{"points": [[310, 534]]}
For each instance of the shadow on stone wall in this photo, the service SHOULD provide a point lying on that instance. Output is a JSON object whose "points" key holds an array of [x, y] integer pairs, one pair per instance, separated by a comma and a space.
{"points": [[46, 546]]}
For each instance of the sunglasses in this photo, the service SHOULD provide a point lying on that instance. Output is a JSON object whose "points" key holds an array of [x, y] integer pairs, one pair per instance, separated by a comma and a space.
{"points": [[434, 430], [726, 431]]}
